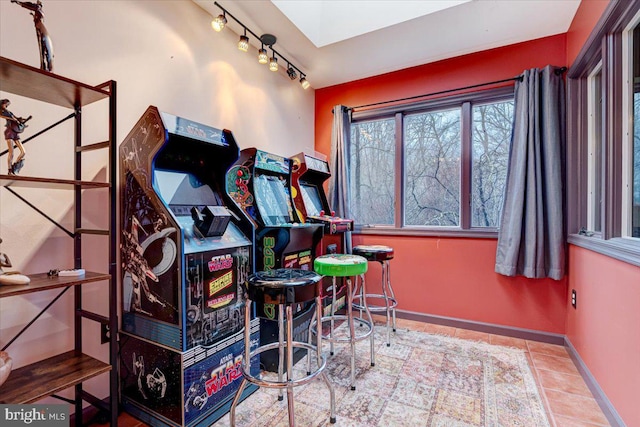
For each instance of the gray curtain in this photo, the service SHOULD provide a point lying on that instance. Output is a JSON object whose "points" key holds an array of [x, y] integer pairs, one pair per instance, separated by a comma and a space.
{"points": [[339, 188], [531, 240]]}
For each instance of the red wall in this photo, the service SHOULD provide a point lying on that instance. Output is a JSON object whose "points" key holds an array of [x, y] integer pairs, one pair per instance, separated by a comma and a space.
{"points": [[454, 277], [605, 326], [583, 23]]}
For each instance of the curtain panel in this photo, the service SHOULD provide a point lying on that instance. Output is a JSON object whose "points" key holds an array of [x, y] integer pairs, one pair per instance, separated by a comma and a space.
{"points": [[339, 183], [531, 239]]}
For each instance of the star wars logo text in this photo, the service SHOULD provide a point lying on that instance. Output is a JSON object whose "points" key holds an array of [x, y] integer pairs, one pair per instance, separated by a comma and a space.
{"points": [[221, 262], [225, 374]]}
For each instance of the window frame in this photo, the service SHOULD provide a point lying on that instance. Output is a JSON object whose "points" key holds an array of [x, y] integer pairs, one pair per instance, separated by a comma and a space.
{"points": [[606, 44], [465, 102]]}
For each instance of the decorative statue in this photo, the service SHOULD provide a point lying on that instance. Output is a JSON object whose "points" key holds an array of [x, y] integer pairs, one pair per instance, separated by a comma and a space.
{"points": [[10, 278], [44, 41], [15, 126]]}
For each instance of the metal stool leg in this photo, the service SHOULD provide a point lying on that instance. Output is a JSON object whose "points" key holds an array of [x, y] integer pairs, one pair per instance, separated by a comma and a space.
{"points": [[325, 377], [246, 360], [292, 421], [280, 347], [333, 313], [352, 332], [369, 318], [387, 304], [391, 293]]}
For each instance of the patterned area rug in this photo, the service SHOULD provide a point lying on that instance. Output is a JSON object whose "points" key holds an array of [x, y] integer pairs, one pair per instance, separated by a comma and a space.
{"points": [[420, 380]]}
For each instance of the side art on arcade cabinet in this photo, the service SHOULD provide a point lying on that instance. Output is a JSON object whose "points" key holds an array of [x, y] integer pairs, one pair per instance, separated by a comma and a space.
{"points": [[184, 256], [259, 183]]}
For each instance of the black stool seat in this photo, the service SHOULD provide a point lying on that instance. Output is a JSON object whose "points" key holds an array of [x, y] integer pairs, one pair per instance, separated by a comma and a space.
{"points": [[283, 286], [374, 252]]}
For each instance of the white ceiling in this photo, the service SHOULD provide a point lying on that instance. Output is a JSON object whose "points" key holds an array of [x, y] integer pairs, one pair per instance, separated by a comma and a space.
{"points": [[409, 36]]}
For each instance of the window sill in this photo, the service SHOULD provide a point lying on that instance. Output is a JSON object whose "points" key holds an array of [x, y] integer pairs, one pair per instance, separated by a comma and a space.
{"points": [[625, 250], [421, 232]]}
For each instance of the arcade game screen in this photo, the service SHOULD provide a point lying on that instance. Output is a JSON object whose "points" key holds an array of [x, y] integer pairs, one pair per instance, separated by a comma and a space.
{"points": [[273, 200], [311, 197]]}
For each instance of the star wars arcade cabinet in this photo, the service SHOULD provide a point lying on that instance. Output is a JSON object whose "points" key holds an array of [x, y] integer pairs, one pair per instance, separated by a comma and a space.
{"points": [[260, 183], [184, 254]]}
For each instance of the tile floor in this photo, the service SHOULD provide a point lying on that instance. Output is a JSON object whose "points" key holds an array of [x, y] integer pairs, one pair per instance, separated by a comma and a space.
{"points": [[568, 401]]}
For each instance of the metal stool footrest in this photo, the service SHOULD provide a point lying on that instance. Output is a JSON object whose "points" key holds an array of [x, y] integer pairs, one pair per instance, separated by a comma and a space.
{"points": [[393, 302], [345, 339], [261, 382]]}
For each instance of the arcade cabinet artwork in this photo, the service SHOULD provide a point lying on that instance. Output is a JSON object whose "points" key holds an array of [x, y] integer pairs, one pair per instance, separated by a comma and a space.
{"points": [[184, 254], [259, 183]]}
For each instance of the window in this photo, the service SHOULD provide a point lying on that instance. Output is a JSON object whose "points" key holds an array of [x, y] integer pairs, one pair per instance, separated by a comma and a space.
{"points": [[603, 166], [373, 171], [432, 167], [492, 125]]}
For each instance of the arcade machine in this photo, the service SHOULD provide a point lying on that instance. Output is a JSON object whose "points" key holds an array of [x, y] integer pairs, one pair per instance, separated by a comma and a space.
{"points": [[259, 183], [308, 176], [184, 254]]}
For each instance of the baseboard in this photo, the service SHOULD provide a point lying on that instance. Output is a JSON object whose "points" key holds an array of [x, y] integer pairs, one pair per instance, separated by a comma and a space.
{"points": [[607, 408], [527, 334]]}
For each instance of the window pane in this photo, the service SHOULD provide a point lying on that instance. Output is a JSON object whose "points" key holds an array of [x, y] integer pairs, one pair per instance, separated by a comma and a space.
{"points": [[635, 215], [432, 168], [492, 125], [373, 172]]}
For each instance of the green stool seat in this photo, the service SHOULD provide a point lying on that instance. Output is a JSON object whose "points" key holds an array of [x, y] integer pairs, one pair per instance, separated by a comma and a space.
{"points": [[340, 265]]}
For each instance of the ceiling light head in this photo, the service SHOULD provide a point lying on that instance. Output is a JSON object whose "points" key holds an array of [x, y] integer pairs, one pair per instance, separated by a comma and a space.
{"points": [[243, 43], [304, 82], [273, 64], [292, 73], [219, 22], [263, 58]]}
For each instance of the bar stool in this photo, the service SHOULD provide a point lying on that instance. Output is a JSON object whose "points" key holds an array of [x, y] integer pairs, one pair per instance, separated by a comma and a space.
{"points": [[381, 254], [344, 265], [286, 288]]}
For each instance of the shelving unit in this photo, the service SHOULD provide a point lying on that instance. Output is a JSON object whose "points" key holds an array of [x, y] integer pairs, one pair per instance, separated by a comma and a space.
{"points": [[33, 382]]}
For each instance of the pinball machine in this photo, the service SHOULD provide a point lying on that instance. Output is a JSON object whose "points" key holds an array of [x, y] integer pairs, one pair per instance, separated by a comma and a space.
{"points": [[260, 185], [184, 254]]}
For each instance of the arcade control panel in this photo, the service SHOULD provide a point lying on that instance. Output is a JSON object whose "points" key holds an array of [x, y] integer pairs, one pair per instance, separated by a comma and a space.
{"points": [[332, 224]]}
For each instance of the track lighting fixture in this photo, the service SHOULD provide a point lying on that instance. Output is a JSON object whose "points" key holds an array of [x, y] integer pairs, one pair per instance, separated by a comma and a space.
{"points": [[243, 43], [273, 63], [291, 72], [220, 21], [263, 58]]}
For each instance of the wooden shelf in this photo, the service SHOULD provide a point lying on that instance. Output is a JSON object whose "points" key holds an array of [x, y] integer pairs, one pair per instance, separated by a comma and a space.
{"points": [[46, 377], [42, 282], [54, 183], [34, 83]]}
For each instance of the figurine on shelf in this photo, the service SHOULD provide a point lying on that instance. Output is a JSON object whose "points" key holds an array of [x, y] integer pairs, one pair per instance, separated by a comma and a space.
{"points": [[14, 127], [44, 41], [10, 278]]}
